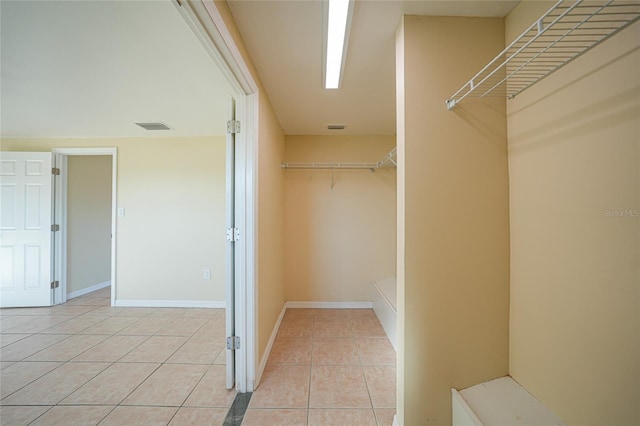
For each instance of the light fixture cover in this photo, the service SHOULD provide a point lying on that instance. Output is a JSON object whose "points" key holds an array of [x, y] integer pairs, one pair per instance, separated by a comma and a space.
{"points": [[336, 40]]}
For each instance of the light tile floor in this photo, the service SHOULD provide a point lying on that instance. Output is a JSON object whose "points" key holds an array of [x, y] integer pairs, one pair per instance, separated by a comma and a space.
{"points": [[327, 367], [87, 363]]}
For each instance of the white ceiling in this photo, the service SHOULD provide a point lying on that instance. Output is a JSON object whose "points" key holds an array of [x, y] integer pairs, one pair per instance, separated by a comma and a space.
{"points": [[94, 68], [284, 39]]}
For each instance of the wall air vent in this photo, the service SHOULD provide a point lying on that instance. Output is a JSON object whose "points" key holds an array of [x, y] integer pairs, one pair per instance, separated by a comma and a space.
{"points": [[154, 126], [336, 126]]}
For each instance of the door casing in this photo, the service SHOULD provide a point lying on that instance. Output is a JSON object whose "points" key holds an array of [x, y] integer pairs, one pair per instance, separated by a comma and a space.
{"points": [[60, 156]]}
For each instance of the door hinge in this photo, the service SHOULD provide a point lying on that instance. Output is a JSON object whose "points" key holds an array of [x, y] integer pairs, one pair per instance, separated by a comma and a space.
{"points": [[55, 284], [233, 126], [55, 171], [55, 228], [233, 234], [233, 343]]}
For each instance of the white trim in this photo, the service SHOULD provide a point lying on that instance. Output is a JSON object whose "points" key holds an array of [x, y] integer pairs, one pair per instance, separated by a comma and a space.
{"points": [[461, 413], [241, 249], [230, 246], [395, 420], [329, 305], [250, 138], [86, 151], [60, 217], [501, 401], [170, 304], [60, 158], [209, 37], [272, 339], [88, 290], [386, 312], [229, 51]]}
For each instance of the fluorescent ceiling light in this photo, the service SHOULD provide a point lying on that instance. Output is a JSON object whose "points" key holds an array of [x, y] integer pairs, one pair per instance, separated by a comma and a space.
{"points": [[336, 31]]}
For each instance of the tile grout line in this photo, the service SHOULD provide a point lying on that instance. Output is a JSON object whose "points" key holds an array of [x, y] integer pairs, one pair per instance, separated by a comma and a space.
{"points": [[364, 377], [47, 347], [107, 415], [45, 412], [366, 383], [139, 384], [63, 363], [193, 389], [37, 378]]}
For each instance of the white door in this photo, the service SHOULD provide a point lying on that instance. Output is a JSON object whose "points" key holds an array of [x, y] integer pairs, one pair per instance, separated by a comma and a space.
{"points": [[25, 229], [230, 251]]}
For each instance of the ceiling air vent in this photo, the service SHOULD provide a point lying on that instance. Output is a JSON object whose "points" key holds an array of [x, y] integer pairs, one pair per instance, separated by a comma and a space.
{"points": [[336, 126], [154, 126]]}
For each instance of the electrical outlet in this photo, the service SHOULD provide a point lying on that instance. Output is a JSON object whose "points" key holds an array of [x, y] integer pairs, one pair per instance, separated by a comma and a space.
{"points": [[206, 274]]}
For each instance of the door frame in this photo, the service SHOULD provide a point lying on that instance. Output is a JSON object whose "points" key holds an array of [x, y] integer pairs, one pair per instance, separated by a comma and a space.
{"points": [[60, 157], [208, 24]]}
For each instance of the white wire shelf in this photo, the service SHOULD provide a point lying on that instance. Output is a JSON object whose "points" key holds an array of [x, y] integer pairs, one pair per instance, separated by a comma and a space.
{"points": [[564, 32], [387, 162]]}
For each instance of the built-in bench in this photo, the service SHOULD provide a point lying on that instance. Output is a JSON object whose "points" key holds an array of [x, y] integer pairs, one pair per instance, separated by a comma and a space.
{"points": [[384, 297], [499, 402]]}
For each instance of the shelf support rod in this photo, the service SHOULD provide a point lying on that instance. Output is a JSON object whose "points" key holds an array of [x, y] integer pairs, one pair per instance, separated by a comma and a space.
{"points": [[390, 157]]}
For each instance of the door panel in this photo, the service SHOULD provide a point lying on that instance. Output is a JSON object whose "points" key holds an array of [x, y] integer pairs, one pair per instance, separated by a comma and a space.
{"points": [[25, 229], [230, 251]]}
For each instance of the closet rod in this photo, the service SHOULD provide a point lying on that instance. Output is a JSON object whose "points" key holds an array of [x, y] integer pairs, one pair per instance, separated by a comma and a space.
{"points": [[388, 161], [564, 32]]}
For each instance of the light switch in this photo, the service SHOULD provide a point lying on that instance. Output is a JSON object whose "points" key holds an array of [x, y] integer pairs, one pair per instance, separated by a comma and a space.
{"points": [[120, 211]]}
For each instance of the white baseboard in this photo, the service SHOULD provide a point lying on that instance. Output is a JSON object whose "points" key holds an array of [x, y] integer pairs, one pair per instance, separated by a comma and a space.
{"points": [[267, 351], [395, 420], [386, 313], [88, 290], [329, 305], [170, 304]]}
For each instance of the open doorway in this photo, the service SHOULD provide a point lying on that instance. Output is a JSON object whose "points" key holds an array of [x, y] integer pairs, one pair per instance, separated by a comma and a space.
{"points": [[85, 199], [88, 230]]}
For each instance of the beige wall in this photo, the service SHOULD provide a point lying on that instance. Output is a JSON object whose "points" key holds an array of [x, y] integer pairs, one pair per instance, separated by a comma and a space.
{"points": [[338, 240], [173, 193], [270, 261], [270, 225], [574, 159], [88, 221], [453, 215]]}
